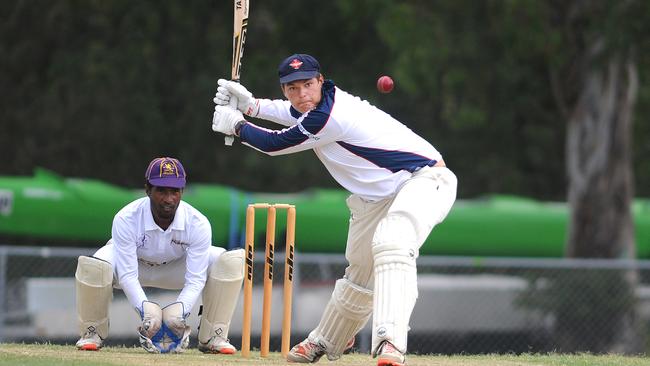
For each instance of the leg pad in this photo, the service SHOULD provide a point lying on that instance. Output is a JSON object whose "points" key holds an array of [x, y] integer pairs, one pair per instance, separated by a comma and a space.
{"points": [[94, 292], [220, 295], [345, 315]]}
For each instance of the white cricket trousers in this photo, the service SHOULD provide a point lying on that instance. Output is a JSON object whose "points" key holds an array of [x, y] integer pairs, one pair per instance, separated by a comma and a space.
{"points": [[426, 199], [383, 244], [169, 276]]}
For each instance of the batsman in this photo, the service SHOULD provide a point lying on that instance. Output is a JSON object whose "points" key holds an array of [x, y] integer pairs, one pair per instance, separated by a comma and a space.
{"points": [[163, 242], [400, 189]]}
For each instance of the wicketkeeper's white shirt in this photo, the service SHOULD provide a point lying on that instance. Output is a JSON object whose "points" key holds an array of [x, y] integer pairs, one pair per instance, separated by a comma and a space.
{"points": [[137, 237]]}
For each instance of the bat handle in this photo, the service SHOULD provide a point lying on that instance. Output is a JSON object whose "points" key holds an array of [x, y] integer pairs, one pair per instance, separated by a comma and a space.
{"points": [[228, 139]]}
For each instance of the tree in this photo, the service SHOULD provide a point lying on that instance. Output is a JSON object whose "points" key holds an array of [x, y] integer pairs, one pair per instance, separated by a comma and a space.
{"points": [[580, 56], [598, 98]]}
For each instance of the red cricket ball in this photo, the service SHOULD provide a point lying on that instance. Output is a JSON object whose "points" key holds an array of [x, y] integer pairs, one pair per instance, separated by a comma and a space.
{"points": [[385, 84]]}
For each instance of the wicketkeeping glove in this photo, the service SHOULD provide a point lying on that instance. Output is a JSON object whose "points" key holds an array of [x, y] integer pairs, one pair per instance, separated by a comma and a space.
{"points": [[151, 328], [246, 103], [225, 118], [177, 332]]}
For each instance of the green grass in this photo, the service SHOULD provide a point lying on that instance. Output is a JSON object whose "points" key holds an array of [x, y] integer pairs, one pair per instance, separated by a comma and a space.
{"points": [[55, 355]]}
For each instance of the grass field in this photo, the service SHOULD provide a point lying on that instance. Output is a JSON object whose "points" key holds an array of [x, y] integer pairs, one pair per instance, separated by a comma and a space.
{"points": [[56, 355]]}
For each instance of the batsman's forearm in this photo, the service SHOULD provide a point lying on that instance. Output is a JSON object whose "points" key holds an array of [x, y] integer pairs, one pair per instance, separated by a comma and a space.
{"points": [[277, 111]]}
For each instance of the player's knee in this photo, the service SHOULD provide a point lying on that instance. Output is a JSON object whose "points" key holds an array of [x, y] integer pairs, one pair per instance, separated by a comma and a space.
{"points": [[94, 271], [229, 265], [351, 300], [395, 240], [362, 275]]}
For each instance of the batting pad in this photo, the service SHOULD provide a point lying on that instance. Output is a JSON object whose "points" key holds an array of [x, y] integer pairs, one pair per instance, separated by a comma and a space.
{"points": [[345, 315], [220, 295], [94, 278], [395, 281]]}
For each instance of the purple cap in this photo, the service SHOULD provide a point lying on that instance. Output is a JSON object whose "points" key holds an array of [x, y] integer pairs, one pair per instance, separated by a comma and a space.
{"points": [[298, 67], [165, 172]]}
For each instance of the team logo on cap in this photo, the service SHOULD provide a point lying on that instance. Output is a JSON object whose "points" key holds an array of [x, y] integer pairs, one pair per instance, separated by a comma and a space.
{"points": [[168, 169], [295, 64]]}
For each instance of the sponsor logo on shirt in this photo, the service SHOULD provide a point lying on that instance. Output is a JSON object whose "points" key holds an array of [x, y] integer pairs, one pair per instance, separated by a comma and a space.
{"points": [[307, 133], [183, 244], [142, 241]]}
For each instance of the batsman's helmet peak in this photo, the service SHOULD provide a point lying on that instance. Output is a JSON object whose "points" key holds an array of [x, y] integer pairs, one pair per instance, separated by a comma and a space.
{"points": [[166, 172], [298, 66]]}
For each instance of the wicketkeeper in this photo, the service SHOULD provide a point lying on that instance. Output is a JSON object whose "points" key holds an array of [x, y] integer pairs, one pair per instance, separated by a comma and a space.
{"points": [[161, 241], [400, 189]]}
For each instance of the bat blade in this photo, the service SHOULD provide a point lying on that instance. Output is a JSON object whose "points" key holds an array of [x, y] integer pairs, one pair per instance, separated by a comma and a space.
{"points": [[240, 25]]}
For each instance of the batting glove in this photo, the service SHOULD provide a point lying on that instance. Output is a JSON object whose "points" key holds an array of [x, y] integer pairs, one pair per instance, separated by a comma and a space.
{"points": [[246, 103], [225, 119]]}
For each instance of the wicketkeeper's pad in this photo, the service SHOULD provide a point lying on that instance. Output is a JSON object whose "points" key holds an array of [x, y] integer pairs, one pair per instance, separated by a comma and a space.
{"points": [[220, 295], [93, 278]]}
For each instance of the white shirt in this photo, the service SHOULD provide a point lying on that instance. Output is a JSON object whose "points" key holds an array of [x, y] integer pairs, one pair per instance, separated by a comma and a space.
{"points": [[366, 151], [137, 237]]}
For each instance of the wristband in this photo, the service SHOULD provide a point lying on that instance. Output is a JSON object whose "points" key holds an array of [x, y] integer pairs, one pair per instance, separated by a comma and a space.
{"points": [[238, 127]]}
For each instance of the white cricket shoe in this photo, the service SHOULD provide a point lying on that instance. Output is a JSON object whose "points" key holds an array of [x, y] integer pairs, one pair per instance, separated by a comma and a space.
{"points": [[388, 355], [90, 341], [310, 352], [306, 352], [217, 345]]}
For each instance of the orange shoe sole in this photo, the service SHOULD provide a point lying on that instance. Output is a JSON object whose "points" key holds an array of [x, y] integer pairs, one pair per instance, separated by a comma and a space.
{"points": [[89, 347], [385, 362], [222, 352]]}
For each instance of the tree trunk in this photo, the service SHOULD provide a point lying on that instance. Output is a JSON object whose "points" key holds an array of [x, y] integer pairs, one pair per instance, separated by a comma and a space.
{"points": [[598, 149], [600, 192]]}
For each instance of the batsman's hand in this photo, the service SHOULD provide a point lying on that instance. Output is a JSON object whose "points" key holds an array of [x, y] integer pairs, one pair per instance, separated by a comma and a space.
{"points": [[225, 118], [151, 327], [177, 336], [246, 103]]}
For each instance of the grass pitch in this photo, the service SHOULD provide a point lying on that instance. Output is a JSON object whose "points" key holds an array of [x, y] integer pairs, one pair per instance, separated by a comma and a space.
{"points": [[56, 355]]}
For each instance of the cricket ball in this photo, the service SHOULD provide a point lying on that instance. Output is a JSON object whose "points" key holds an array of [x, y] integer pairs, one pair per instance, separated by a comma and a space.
{"points": [[385, 84]]}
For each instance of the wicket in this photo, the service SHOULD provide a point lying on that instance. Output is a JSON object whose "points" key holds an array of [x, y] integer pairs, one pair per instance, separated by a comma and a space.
{"points": [[268, 277]]}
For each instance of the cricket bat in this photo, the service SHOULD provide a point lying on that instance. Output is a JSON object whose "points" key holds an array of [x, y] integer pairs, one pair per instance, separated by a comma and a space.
{"points": [[240, 25]]}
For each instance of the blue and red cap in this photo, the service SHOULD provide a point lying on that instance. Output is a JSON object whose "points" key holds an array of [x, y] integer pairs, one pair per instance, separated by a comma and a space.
{"points": [[165, 172], [298, 67]]}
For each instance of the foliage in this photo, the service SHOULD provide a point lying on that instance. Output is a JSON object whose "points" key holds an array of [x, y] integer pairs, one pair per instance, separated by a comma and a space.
{"points": [[96, 89]]}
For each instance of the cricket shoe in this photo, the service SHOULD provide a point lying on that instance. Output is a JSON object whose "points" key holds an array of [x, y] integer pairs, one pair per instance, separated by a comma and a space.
{"points": [[310, 352], [90, 341], [388, 355], [217, 345]]}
